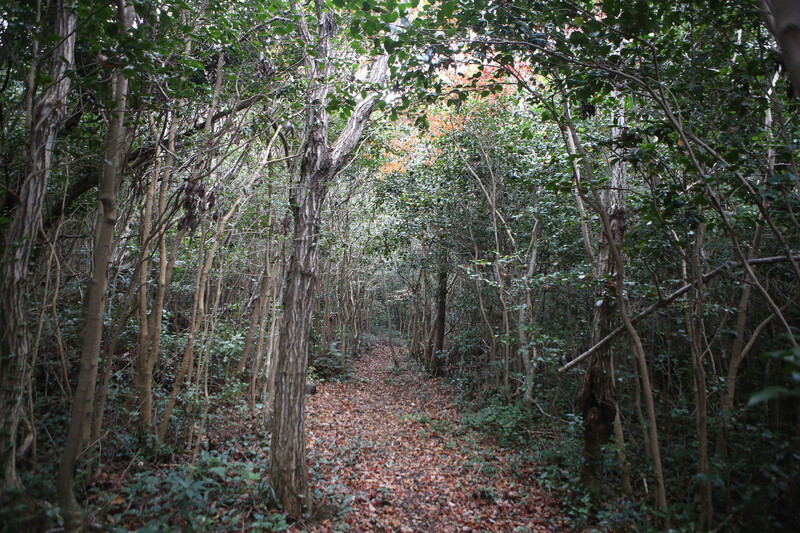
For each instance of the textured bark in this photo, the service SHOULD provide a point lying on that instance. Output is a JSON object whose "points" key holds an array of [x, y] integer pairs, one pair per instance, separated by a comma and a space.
{"points": [[114, 157], [47, 114], [288, 466], [441, 311], [321, 162], [597, 399]]}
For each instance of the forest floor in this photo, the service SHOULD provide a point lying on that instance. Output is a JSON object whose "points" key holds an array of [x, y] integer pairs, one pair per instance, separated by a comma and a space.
{"points": [[391, 441], [387, 452]]}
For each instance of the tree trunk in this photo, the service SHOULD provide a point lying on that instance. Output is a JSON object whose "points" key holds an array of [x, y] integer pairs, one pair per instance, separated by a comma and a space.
{"points": [[597, 399], [142, 380], [437, 356], [114, 157], [695, 326], [389, 320], [321, 163], [268, 390], [149, 345], [611, 228], [48, 113], [259, 313], [613, 223], [198, 312], [288, 466], [202, 279], [529, 353]]}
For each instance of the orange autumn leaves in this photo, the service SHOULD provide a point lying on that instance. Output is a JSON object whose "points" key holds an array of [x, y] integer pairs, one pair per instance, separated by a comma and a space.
{"points": [[410, 146]]}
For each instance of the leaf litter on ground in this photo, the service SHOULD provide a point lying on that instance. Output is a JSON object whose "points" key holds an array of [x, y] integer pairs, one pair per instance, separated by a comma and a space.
{"points": [[387, 448]]}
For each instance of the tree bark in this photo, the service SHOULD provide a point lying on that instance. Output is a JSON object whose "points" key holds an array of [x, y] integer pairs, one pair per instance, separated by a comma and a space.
{"points": [[695, 326], [142, 376], [597, 400], [441, 310], [622, 306], [288, 466], [321, 162], [114, 157], [389, 320], [47, 114]]}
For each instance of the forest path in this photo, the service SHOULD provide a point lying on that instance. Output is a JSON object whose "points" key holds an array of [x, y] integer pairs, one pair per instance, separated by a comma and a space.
{"points": [[387, 446]]}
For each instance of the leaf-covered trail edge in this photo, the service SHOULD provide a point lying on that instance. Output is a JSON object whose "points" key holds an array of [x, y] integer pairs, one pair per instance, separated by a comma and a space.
{"points": [[389, 449]]}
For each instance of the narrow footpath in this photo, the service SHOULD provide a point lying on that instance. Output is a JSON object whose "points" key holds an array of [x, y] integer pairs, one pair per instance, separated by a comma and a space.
{"points": [[387, 452]]}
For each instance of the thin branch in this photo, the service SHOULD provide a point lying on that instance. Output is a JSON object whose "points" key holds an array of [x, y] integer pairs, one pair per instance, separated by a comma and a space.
{"points": [[668, 300]]}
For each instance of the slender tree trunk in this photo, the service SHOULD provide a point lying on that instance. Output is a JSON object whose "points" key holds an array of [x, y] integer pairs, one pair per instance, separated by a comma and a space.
{"points": [[198, 311], [142, 379], [437, 355], [344, 309], [258, 315], [414, 345], [625, 475], [113, 157], [269, 365], [46, 115], [703, 486], [613, 223], [529, 353], [202, 372], [149, 343], [326, 311], [395, 362], [271, 299], [501, 275], [149, 352]]}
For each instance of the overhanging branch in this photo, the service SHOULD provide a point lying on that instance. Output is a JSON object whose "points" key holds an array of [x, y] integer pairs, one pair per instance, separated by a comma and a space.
{"points": [[668, 300]]}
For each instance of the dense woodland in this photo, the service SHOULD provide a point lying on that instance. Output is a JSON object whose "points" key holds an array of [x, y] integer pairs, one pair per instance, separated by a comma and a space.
{"points": [[580, 216]]}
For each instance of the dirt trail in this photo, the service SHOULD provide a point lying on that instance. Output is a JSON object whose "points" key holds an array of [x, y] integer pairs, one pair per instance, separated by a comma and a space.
{"points": [[387, 449]]}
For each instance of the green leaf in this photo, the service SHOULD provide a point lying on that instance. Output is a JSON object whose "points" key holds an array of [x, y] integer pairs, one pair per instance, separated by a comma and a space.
{"points": [[771, 393], [448, 8], [221, 471]]}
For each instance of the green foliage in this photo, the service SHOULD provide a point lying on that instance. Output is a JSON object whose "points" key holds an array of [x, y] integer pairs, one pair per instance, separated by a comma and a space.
{"points": [[217, 492], [328, 365], [510, 423], [789, 361]]}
